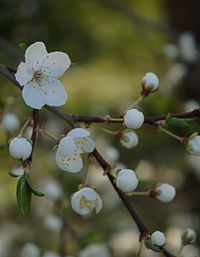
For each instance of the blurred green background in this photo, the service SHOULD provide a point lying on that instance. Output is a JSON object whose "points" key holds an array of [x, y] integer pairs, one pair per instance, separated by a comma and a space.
{"points": [[111, 44]]}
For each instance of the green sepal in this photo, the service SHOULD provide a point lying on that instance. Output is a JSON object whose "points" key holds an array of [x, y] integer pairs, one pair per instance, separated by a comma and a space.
{"points": [[24, 194], [152, 247], [32, 188]]}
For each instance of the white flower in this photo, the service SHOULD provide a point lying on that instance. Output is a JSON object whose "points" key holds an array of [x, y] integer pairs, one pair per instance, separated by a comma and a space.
{"points": [[189, 236], [71, 147], [133, 119], [95, 250], [20, 148], [163, 192], [150, 82], [126, 180], [158, 238], [50, 254], [129, 139], [30, 250], [10, 122], [193, 145], [86, 201], [39, 75], [188, 48], [53, 223]]}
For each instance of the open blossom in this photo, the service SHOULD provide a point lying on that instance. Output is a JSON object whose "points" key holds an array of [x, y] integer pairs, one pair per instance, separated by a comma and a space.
{"points": [[20, 148], [126, 180], [39, 75], [133, 119], [86, 201], [71, 147], [158, 238]]}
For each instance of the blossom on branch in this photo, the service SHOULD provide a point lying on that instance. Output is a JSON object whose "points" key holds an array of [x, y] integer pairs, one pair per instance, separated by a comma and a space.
{"points": [[126, 180], [86, 201], [20, 148], [133, 119], [158, 238], [71, 148], [39, 75]]}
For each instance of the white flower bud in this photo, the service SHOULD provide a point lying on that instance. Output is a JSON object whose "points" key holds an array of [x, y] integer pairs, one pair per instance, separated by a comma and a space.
{"points": [[51, 254], [53, 223], [163, 192], [10, 122], [150, 82], [126, 180], [20, 148], [129, 139], [86, 201], [193, 146], [189, 236], [158, 238], [30, 250], [97, 250], [52, 189], [133, 119], [112, 154]]}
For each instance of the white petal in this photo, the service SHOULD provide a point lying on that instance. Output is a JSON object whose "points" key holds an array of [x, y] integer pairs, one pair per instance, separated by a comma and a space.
{"points": [[71, 164], [23, 74], [67, 146], [84, 145], [55, 64], [32, 95], [53, 92], [35, 55], [78, 132]]}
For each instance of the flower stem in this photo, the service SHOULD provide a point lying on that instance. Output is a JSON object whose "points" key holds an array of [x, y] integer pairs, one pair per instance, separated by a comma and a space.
{"points": [[25, 126], [105, 130], [180, 139], [44, 132], [139, 193], [136, 102]]}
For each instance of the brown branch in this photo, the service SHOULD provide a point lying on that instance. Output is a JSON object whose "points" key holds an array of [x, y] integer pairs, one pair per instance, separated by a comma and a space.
{"points": [[106, 167]]}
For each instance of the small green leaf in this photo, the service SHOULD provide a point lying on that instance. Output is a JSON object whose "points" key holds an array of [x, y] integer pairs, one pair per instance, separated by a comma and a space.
{"points": [[152, 247], [33, 189], [23, 45], [23, 196], [176, 122]]}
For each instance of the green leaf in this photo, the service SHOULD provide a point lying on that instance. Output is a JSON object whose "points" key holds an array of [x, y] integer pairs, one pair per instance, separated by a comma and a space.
{"points": [[23, 196], [33, 189], [152, 247], [176, 122]]}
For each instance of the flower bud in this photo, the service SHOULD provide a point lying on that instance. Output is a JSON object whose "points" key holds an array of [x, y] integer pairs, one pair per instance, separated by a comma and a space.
{"points": [[53, 223], [10, 122], [150, 83], [133, 119], [20, 148], [126, 180], [129, 139], [188, 237], [18, 171], [193, 146], [163, 192], [158, 238], [86, 201]]}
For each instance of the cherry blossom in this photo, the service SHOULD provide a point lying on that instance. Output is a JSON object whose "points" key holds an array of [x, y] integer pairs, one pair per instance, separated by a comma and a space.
{"points": [[70, 149], [39, 75]]}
